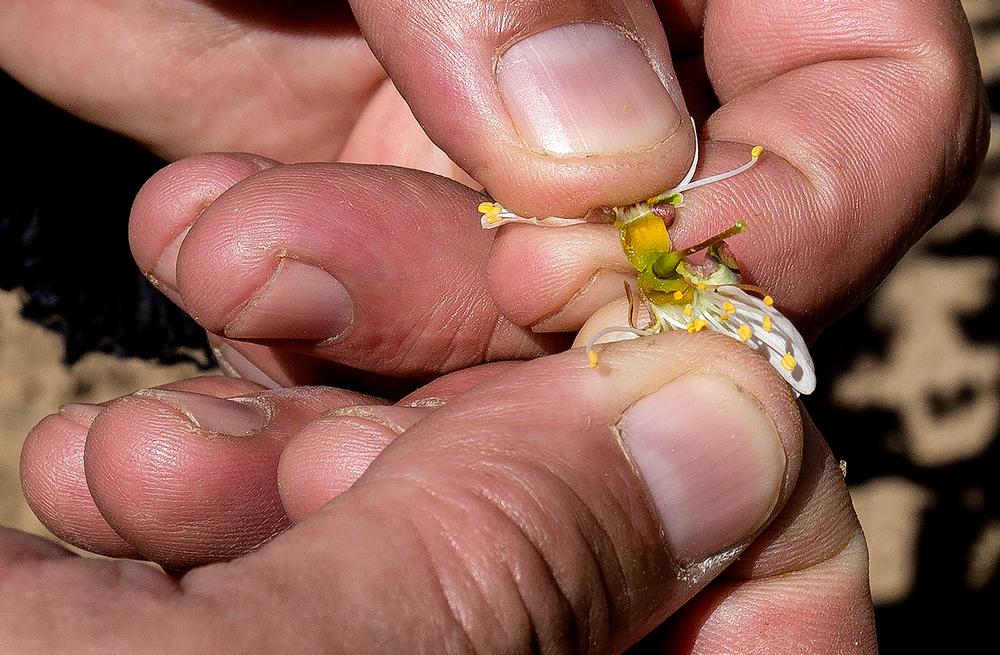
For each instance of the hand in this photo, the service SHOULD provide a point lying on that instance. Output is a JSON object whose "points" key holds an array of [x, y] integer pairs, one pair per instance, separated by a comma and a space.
{"points": [[824, 88], [825, 183], [543, 506]]}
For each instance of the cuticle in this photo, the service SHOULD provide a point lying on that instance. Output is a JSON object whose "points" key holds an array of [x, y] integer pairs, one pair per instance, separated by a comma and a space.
{"points": [[366, 414], [159, 395], [74, 418]]}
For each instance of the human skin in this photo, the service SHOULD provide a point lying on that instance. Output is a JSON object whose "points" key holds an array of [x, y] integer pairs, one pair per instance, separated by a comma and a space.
{"points": [[481, 527], [834, 107], [872, 114]]}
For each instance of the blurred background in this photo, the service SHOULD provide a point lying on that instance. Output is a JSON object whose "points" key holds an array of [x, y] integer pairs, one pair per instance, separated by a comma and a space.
{"points": [[909, 388]]}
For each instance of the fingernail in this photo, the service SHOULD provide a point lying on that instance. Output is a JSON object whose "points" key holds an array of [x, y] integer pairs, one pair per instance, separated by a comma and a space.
{"points": [[603, 287], [82, 414], [238, 417], [711, 459], [236, 365], [300, 301], [164, 274], [585, 89]]}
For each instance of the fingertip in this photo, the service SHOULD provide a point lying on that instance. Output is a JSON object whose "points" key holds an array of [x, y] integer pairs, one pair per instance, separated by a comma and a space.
{"points": [[537, 185], [182, 475], [55, 486], [325, 459], [191, 478], [172, 199], [535, 273], [329, 455], [345, 263]]}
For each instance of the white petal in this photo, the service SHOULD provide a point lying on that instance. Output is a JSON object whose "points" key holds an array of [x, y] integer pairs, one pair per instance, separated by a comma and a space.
{"points": [[783, 338], [670, 317], [551, 221]]}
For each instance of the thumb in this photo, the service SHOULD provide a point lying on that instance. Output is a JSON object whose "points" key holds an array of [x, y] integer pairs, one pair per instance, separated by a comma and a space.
{"points": [[552, 503], [555, 107]]}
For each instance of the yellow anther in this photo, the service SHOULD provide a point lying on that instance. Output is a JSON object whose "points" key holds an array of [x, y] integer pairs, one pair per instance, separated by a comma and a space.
{"points": [[745, 332], [757, 152], [678, 295], [493, 219], [729, 307], [697, 325], [488, 208], [788, 362], [769, 301], [592, 359], [701, 286], [688, 309], [767, 323], [723, 317]]}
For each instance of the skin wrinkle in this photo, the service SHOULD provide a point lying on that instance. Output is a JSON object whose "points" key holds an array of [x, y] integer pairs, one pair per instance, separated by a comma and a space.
{"points": [[408, 346], [761, 22], [535, 623], [594, 614], [582, 630], [467, 329], [460, 619], [508, 519]]}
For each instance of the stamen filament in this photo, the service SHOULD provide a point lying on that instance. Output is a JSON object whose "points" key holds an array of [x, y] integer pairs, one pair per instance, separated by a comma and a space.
{"points": [[708, 243], [592, 357], [721, 176]]}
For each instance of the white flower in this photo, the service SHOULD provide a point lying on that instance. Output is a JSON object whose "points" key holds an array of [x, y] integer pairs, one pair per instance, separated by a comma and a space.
{"points": [[731, 311], [680, 292]]}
